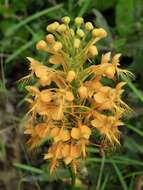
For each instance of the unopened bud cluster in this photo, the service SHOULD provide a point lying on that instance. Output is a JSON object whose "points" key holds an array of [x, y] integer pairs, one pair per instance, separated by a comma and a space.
{"points": [[68, 103]]}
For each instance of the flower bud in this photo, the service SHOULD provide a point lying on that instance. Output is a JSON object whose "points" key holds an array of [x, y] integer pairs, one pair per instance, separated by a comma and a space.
{"points": [[71, 76], [66, 20], [50, 39], [79, 21], [57, 46], [80, 33], [99, 33], [93, 51], [89, 26], [41, 45], [52, 27], [83, 92], [76, 43], [49, 27], [61, 28]]}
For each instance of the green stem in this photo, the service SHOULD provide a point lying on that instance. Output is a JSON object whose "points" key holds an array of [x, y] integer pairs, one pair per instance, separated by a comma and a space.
{"points": [[73, 178], [100, 173]]}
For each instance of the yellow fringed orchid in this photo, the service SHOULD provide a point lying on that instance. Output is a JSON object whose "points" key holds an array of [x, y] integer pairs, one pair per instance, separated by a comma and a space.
{"points": [[69, 95]]}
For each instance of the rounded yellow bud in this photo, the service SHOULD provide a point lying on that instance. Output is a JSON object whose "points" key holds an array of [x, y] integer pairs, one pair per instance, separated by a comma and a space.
{"points": [[83, 93], [89, 26], [99, 32], [93, 51], [79, 21], [55, 25], [49, 27], [52, 27], [57, 46], [71, 76], [50, 39], [41, 45], [80, 33], [66, 20], [61, 28], [76, 43]]}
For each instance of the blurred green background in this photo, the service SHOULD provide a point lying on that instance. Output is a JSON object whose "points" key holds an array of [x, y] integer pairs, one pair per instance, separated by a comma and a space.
{"points": [[22, 24]]}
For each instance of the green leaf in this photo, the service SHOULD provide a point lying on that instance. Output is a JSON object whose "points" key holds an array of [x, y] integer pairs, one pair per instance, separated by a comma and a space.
{"points": [[22, 49], [132, 182], [136, 91], [20, 5], [104, 184], [117, 160], [133, 146], [134, 174], [125, 17], [100, 174], [6, 10], [86, 5], [120, 176], [103, 5], [136, 130], [28, 168], [31, 18], [138, 9]]}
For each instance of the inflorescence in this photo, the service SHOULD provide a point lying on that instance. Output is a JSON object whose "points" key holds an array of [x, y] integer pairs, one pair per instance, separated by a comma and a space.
{"points": [[69, 99]]}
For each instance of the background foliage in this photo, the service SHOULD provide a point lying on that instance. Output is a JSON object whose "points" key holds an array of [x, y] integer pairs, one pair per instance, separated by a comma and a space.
{"points": [[22, 24]]}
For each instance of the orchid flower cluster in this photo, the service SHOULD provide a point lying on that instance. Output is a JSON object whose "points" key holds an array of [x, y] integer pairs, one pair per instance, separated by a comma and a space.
{"points": [[69, 99]]}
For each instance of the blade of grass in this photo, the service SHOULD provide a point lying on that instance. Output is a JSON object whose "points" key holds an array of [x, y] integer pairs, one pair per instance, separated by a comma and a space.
{"points": [[120, 176], [70, 6], [93, 150], [137, 92], [104, 184], [2, 73], [116, 160], [100, 174], [128, 160], [21, 49], [28, 168], [85, 6], [32, 17], [139, 132], [131, 185], [25, 25], [134, 174], [19, 184]]}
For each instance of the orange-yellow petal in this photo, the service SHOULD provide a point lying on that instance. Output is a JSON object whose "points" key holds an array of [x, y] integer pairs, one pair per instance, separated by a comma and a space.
{"points": [[99, 97], [56, 59], [65, 135], [55, 132], [66, 150], [86, 131], [69, 96], [75, 133], [46, 96]]}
